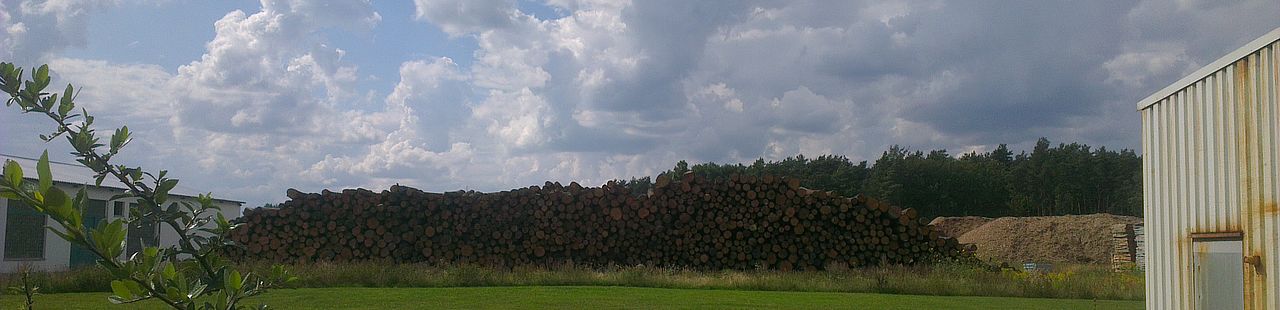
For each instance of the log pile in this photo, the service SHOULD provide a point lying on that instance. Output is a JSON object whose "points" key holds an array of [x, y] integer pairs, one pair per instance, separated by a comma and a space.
{"points": [[741, 223]]}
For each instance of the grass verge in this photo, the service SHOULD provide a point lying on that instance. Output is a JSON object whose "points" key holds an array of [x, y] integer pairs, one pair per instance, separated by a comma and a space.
{"points": [[594, 297], [1077, 282]]}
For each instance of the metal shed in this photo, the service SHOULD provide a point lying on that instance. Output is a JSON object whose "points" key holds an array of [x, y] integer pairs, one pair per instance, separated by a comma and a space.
{"points": [[24, 241], [1210, 184]]}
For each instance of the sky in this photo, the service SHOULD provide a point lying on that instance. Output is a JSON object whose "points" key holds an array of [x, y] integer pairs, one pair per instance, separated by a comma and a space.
{"points": [[246, 99]]}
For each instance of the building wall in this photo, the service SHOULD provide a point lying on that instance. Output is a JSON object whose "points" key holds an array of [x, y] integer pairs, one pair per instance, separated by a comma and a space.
{"points": [[57, 252], [1209, 165]]}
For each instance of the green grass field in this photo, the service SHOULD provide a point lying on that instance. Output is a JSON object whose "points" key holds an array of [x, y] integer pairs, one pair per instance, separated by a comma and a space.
{"points": [[594, 297]]}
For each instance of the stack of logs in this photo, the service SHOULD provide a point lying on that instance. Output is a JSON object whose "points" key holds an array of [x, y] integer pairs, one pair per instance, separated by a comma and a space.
{"points": [[743, 222]]}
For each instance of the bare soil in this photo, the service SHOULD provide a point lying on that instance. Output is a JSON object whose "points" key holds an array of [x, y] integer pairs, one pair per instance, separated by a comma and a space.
{"points": [[1084, 239]]}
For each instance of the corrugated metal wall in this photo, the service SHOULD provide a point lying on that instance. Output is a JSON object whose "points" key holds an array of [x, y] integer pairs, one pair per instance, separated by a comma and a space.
{"points": [[1209, 163]]}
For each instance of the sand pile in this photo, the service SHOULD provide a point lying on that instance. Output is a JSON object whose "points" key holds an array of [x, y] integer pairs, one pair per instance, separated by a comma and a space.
{"points": [[1061, 239], [958, 225]]}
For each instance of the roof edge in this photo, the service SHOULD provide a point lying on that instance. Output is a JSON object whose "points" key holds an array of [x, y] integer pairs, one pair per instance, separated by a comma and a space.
{"points": [[185, 193], [126, 189], [1242, 52]]}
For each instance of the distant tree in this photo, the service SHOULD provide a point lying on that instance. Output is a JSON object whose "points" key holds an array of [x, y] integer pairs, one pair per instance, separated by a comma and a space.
{"points": [[1050, 180], [639, 186]]}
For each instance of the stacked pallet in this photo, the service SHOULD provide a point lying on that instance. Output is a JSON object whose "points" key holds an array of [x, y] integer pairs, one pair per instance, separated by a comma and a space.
{"points": [[1140, 247], [743, 222], [1124, 253]]}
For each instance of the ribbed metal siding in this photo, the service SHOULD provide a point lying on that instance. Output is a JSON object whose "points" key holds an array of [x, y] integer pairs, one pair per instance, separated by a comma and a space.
{"points": [[1209, 165]]}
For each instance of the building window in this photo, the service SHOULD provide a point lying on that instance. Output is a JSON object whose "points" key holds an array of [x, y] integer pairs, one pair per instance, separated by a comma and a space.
{"points": [[142, 233], [118, 210], [23, 232]]}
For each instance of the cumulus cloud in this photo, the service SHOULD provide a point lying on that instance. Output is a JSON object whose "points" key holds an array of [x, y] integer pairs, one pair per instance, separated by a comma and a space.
{"points": [[726, 81], [261, 69], [613, 89], [253, 112], [35, 29], [458, 17]]}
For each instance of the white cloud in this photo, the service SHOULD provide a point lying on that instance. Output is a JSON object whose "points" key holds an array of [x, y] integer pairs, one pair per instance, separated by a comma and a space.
{"points": [[1135, 69], [427, 104], [804, 111], [615, 89], [261, 70], [35, 29], [118, 91], [720, 93], [519, 118], [260, 107], [459, 17], [433, 97]]}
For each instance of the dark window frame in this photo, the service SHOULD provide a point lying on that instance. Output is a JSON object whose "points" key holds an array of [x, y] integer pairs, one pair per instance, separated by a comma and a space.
{"points": [[13, 206], [136, 243]]}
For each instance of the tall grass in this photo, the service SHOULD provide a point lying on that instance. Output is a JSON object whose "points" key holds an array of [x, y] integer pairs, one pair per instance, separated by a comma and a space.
{"points": [[90, 279], [1080, 281]]}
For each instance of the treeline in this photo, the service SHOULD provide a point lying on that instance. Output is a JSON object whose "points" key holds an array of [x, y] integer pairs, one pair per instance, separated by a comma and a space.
{"points": [[1049, 180]]}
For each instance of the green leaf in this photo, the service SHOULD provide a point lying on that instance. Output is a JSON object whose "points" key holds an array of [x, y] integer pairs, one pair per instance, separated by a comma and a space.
{"points": [[42, 73], [65, 106], [8, 194], [41, 77], [233, 281], [13, 79], [78, 202], [169, 272], [167, 185], [120, 289], [222, 221], [63, 235], [135, 288], [173, 293], [13, 173], [119, 139], [110, 238], [46, 104], [57, 203], [42, 168], [162, 190]]}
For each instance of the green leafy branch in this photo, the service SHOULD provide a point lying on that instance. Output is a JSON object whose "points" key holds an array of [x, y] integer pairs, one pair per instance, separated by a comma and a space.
{"points": [[188, 275]]}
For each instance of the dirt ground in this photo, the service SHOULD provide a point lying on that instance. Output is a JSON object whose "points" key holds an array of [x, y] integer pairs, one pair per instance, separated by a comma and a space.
{"points": [[1084, 239]]}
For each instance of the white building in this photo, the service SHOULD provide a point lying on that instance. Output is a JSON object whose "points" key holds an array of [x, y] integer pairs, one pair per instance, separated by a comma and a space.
{"points": [[1211, 184], [25, 241]]}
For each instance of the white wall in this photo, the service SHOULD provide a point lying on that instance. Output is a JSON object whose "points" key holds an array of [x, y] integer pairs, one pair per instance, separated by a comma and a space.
{"points": [[57, 252], [1211, 164]]}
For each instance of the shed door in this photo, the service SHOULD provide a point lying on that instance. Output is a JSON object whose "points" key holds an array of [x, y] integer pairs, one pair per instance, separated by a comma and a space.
{"points": [[1219, 274], [95, 214]]}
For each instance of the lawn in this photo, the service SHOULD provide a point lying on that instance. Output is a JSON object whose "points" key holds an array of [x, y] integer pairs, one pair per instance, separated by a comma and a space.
{"points": [[595, 297]]}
